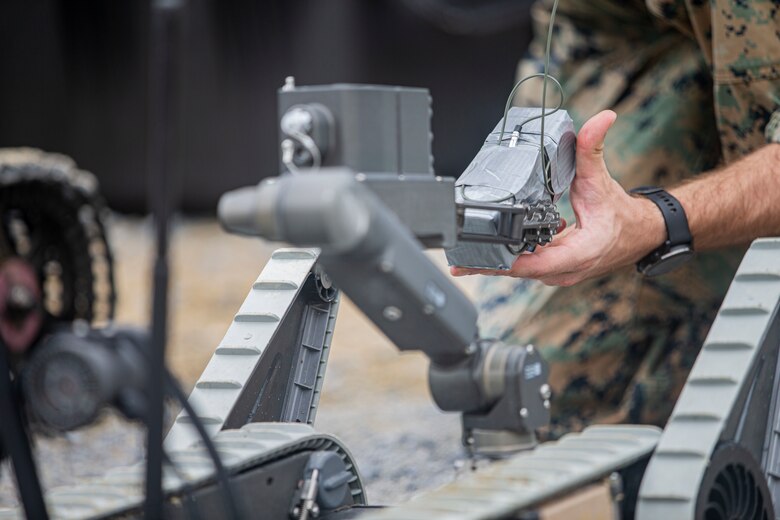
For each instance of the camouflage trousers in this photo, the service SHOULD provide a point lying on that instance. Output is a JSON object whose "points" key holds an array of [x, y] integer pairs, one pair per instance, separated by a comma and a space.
{"points": [[620, 347]]}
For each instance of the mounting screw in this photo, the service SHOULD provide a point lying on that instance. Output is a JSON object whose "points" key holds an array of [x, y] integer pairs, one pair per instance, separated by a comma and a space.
{"points": [[523, 412], [392, 313], [471, 349], [529, 349], [546, 403], [428, 309], [545, 392], [289, 83], [360, 177], [386, 266]]}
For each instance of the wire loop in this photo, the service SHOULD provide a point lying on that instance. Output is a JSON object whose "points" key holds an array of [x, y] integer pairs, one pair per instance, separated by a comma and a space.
{"points": [[463, 195], [543, 112]]}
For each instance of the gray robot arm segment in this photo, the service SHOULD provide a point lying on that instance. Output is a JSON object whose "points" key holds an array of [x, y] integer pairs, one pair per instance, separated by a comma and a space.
{"points": [[369, 254]]}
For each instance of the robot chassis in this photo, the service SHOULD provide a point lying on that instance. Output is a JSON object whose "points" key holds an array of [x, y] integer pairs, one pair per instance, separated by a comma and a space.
{"points": [[360, 218]]}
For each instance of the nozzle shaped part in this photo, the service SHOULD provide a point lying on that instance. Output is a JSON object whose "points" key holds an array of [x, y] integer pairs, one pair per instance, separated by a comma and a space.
{"points": [[330, 210], [246, 211]]}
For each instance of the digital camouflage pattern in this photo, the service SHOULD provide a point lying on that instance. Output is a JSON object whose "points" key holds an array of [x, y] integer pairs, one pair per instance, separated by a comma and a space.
{"points": [[695, 84]]}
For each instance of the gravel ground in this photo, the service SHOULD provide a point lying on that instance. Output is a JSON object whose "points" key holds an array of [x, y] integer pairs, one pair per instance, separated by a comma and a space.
{"points": [[375, 399]]}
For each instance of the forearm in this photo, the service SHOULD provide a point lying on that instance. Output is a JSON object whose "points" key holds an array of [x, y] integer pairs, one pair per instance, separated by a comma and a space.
{"points": [[735, 204]]}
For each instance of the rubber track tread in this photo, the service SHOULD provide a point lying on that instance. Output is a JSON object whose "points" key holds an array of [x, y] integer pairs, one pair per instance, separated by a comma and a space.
{"points": [[67, 214], [506, 488], [671, 483], [119, 492], [226, 377]]}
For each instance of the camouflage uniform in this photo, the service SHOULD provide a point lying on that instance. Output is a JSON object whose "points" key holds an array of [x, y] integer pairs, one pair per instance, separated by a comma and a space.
{"points": [[695, 84]]}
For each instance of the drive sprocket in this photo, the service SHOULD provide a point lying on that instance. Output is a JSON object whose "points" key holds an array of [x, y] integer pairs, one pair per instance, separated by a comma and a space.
{"points": [[734, 487]]}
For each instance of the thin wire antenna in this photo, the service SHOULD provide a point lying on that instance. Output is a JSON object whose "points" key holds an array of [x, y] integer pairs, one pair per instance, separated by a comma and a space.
{"points": [[545, 165], [543, 112]]}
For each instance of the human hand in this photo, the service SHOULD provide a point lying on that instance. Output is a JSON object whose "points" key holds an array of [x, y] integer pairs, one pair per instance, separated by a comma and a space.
{"points": [[613, 228]]}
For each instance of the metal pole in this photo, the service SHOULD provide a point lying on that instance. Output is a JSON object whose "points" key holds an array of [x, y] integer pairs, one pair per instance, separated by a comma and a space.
{"points": [[17, 443], [161, 142]]}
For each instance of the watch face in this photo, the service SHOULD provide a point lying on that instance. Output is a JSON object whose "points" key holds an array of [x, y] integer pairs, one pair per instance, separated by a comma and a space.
{"points": [[669, 261]]}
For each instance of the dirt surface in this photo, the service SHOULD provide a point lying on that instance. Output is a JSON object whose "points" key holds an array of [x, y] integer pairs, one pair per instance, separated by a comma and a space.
{"points": [[375, 399]]}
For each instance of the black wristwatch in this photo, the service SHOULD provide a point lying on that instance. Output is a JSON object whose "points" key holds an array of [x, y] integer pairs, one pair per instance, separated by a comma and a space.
{"points": [[678, 247]]}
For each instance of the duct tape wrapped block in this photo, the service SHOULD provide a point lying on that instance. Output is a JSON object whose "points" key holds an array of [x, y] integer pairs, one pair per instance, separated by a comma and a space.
{"points": [[511, 173]]}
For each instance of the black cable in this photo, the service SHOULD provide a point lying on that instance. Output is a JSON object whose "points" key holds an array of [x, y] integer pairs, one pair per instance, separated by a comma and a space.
{"points": [[17, 444], [231, 505]]}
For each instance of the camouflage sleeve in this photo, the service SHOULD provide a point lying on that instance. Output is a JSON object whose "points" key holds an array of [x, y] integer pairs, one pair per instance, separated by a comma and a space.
{"points": [[772, 130]]}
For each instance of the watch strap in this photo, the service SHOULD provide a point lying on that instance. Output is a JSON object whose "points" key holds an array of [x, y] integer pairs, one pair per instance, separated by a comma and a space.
{"points": [[676, 221]]}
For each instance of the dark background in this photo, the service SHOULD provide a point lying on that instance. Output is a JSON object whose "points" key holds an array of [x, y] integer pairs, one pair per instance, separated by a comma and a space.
{"points": [[73, 78]]}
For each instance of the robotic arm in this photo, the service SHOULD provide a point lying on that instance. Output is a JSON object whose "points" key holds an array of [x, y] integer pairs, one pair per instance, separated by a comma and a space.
{"points": [[500, 389], [357, 182]]}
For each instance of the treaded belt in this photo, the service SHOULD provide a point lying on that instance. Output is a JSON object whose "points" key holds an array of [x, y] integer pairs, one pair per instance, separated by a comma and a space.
{"points": [[67, 214], [227, 374], [121, 490], [673, 477], [529, 478]]}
